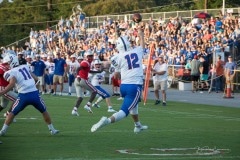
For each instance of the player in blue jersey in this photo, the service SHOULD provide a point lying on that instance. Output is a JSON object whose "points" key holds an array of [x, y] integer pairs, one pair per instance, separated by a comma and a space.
{"points": [[28, 94], [129, 64]]}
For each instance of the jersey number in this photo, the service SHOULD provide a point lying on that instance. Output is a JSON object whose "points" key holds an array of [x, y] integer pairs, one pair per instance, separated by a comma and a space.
{"points": [[132, 60], [25, 73]]}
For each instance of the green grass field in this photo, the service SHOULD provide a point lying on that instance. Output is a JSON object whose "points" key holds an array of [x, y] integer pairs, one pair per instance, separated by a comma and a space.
{"points": [[178, 131]]}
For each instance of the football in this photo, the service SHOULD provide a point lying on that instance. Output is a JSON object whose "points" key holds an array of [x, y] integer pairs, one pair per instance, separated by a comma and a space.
{"points": [[136, 17]]}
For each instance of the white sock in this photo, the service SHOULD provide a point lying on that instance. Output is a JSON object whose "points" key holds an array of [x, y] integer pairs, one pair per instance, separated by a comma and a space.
{"points": [[5, 127], [137, 123], [50, 127], [75, 108], [69, 89], [109, 107], [89, 103], [99, 100]]}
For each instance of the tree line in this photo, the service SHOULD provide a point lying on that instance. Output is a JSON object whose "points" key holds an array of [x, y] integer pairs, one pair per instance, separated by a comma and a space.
{"points": [[19, 16]]}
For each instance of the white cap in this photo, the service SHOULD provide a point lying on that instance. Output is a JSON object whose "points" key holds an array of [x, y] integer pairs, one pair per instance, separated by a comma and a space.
{"points": [[73, 56], [89, 53], [80, 57], [44, 56]]}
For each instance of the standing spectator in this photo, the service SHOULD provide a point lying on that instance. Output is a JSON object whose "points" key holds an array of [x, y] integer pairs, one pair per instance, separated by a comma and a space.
{"points": [[59, 73], [72, 71], [29, 63], [160, 70], [131, 83], [195, 64], [39, 71], [219, 74], [24, 80], [218, 25], [230, 71], [204, 71], [48, 78]]}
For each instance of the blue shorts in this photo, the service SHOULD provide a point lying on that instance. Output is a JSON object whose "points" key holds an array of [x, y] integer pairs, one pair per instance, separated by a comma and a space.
{"points": [[131, 94], [71, 79], [48, 78], [104, 94], [26, 99]]}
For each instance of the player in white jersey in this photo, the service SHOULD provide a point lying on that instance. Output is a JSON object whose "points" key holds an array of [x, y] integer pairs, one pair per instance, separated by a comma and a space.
{"points": [[24, 80], [129, 63], [72, 66], [97, 79]]}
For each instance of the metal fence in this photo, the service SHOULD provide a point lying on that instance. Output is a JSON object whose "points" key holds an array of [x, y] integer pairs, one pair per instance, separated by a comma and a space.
{"points": [[96, 21]]}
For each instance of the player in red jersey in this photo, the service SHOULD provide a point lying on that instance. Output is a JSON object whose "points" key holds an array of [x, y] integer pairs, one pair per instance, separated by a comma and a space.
{"points": [[11, 95], [81, 82]]}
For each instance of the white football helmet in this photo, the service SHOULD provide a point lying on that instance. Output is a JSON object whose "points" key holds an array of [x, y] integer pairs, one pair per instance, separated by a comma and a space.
{"points": [[97, 61], [123, 44], [11, 59]]}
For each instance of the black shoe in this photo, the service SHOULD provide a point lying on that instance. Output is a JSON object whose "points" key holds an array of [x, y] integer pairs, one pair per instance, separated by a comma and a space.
{"points": [[164, 104], [157, 102]]}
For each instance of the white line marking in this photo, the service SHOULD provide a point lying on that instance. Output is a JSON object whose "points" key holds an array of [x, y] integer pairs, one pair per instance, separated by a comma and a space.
{"points": [[31, 118], [176, 152]]}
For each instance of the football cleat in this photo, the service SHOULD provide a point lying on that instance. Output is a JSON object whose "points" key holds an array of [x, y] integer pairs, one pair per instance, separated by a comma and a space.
{"points": [[53, 132], [88, 108], [75, 113], [103, 122], [111, 110], [138, 129], [95, 105], [2, 132], [120, 98]]}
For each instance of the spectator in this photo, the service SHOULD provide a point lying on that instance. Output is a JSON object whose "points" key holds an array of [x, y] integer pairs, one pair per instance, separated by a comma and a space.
{"points": [[161, 72], [219, 73], [195, 64], [204, 71], [39, 71], [230, 71], [72, 72], [60, 72]]}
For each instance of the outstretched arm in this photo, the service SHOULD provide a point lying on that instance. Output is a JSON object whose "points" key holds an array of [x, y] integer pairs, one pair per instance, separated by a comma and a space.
{"points": [[10, 86]]}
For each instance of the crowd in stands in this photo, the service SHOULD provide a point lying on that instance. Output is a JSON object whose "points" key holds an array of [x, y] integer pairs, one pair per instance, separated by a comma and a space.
{"points": [[178, 40]]}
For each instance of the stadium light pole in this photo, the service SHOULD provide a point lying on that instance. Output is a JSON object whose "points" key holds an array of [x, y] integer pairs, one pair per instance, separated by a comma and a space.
{"points": [[223, 8]]}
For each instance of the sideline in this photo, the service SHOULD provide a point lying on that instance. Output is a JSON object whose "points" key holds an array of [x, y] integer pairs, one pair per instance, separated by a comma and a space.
{"points": [[176, 95]]}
